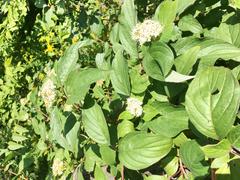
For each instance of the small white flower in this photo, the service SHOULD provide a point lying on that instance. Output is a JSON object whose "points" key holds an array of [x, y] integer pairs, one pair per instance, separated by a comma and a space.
{"points": [[144, 32], [134, 106], [23, 101], [57, 167], [48, 93]]}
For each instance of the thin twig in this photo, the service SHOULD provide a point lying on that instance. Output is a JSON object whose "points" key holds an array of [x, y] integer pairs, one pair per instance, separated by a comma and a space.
{"points": [[122, 173], [182, 169]]}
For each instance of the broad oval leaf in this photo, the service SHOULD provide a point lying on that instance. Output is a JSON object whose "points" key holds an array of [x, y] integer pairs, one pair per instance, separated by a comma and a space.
{"points": [[165, 14], [78, 83], [212, 101], [189, 23], [127, 21], [124, 128], [170, 124], [192, 156], [217, 150], [68, 61], [138, 150], [119, 75], [210, 48], [158, 60], [234, 136], [128, 44], [186, 61], [128, 16], [95, 124]]}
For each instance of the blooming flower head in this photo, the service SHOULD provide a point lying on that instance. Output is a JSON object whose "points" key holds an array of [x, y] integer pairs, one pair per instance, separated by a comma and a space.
{"points": [[144, 32], [48, 93], [57, 167], [134, 106]]}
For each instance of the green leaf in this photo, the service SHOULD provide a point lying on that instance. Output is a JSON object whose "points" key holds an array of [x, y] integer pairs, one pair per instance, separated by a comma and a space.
{"points": [[99, 174], [185, 62], [119, 75], [170, 124], [128, 44], [165, 14], [139, 83], [176, 77], [183, 4], [236, 72], [92, 157], [234, 136], [127, 21], [149, 111], [209, 48], [124, 128], [78, 83], [220, 162], [189, 23], [156, 177], [180, 139], [14, 146], [95, 124], [212, 101], [20, 129], [228, 30], [101, 62], [170, 163], [217, 150], [72, 138], [235, 3], [128, 16], [192, 156], [139, 150], [40, 3], [18, 138], [108, 155], [57, 124], [68, 61], [158, 61], [125, 115]]}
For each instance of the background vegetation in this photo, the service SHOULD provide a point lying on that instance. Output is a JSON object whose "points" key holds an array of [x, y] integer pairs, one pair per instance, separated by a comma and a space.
{"points": [[81, 98]]}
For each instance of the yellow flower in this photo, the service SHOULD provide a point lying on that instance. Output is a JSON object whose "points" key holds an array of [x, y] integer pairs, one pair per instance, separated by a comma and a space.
{"points": [[74, 39], [49, 48]]}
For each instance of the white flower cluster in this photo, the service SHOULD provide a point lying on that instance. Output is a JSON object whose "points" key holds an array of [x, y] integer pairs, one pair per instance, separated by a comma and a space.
{"points": [[144, 32], [134, 106], [57, 167], [48, 93]]}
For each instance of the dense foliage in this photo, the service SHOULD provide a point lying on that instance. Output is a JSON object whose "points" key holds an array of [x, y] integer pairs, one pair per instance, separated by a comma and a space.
{"points": [[119, 89]]}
